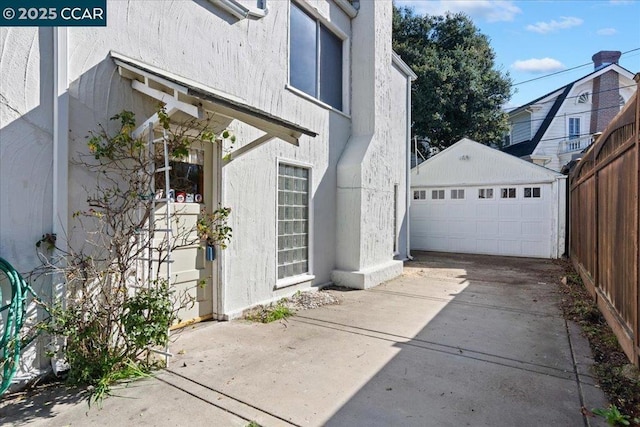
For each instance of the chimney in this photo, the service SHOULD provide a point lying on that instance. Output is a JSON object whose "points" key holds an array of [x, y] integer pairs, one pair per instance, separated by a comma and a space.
{"points": [[605, 102], [605, 57]]}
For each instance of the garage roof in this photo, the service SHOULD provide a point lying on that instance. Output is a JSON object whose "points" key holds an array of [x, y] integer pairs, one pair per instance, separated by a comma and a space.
{"points": [[469, 163]]}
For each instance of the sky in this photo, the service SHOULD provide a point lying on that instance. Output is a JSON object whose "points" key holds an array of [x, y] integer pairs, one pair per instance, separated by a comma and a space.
{"points": [[534, 38]]}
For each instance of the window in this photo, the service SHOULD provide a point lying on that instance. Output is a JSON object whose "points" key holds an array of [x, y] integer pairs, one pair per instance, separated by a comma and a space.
{"points": [[315, 58], [532, 192], [485, 193], [583, 98], [574, 127], [437, 194], [186, 179], [419, 195], [457, 194], [293, 221], [508, 193]]}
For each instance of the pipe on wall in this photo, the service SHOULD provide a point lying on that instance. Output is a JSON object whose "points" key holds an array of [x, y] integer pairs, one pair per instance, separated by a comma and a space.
{"points": [[60, 190], [408, 168], [60, 109]]}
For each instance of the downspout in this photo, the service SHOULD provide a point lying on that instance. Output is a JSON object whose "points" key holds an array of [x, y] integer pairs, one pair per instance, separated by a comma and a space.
{"points": [[60, 140], [408, 168], [60, 182], [222, 271]]}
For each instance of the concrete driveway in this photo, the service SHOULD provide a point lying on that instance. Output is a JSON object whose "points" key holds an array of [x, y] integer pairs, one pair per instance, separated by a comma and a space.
{"points": [[457, 340]]}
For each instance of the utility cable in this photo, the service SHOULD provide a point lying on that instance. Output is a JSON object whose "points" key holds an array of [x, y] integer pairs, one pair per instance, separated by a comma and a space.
{"points": [[567, 70]]}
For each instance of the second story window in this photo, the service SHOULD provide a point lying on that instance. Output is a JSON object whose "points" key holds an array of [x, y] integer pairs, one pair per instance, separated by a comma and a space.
{"points": [[574, 127], [315, 58]]}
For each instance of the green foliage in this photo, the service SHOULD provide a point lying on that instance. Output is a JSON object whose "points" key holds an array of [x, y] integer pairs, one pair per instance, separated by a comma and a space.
{"points": [[611, 367], [270, 313], [147, 315], [111, 318], [613, 416], [105, 344], [213, 227], [459, 92]]}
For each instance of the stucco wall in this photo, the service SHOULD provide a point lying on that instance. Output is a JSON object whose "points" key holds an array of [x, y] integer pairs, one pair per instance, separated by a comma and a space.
{"points": [[247, 59], [26, 126], [399, 140], [367, 169], [26, 172]]}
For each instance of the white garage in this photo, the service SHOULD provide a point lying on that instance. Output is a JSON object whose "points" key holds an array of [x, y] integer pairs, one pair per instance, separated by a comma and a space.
{"points": [[471, 198]]}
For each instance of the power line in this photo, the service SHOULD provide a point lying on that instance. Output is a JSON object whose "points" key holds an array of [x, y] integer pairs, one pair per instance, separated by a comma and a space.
{"points": [[552, 74], [571, 97], [565, 71], [573, 113]]}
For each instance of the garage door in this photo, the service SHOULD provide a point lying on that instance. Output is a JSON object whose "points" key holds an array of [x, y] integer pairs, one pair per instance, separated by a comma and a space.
{"points": [[504, 220]]}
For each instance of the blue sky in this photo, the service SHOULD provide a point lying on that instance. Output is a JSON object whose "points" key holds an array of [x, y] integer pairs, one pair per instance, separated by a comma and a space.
{"points": [[534, 38]]}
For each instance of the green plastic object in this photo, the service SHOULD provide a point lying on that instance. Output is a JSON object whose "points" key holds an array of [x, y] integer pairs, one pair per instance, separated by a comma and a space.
{"points": [[11, 342]]}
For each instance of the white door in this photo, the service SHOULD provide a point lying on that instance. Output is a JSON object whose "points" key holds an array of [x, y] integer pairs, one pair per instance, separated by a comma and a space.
{"points": [[512, 220], [193, 277]]}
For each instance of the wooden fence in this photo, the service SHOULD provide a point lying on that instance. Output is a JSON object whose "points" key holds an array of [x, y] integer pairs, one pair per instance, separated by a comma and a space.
{"points": [[604, 224]]}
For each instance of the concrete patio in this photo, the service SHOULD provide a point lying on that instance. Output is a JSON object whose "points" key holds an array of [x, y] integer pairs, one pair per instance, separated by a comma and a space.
{"points": [[457, 340]]}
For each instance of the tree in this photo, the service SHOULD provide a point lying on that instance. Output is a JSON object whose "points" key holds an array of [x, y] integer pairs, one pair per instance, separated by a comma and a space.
{"points": [[116, 309], [459, 92]]}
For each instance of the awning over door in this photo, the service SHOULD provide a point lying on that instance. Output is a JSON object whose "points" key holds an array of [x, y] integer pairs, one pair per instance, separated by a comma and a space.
{"points": [[192, 98]]}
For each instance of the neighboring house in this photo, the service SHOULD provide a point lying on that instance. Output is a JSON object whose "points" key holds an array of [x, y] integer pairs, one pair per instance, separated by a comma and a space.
{"points": [[318, 100], [472, 198], [555, 128]]}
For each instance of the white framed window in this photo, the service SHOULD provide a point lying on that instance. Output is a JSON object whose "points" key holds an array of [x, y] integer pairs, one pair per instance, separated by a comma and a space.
{"points": [[457, 194], [485, 193], [574, 127], [508, 193], [419, 195], [437, 194], [293, 220], [315, 58], [532, 192]]}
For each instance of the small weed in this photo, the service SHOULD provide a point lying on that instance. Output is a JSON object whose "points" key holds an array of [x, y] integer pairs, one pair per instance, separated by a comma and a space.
{"points": [[270, 313], [614, 417], [253, 424], [278, 312], [623, 391]]}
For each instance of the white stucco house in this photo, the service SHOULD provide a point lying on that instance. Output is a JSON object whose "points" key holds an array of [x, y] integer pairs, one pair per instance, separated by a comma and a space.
{"points": [[471, 198], [555, 128], [319, 103]]}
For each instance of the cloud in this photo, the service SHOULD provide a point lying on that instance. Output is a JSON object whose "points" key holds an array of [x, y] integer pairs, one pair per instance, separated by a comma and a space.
{"points": [[548, 27], [607, 32], [538, 66], [486, 10]]}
